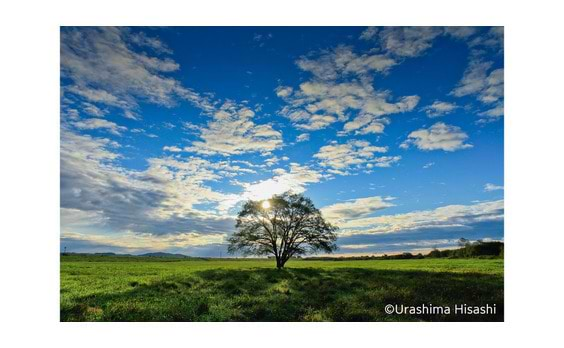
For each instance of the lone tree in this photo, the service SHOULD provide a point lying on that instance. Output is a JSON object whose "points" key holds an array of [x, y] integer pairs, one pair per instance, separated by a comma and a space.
{"points": [[284, 226]]}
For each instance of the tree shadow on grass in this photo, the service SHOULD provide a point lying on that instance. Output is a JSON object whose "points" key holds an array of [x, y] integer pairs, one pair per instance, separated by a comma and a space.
{"points": [[308, 294]]}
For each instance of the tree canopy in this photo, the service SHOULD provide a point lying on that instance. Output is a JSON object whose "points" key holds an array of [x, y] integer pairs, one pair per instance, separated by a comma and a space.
{"points": [[285, 226]]}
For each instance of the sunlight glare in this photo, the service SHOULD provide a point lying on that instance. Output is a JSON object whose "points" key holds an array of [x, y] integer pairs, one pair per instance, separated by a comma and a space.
{"points": [[265, 189]]}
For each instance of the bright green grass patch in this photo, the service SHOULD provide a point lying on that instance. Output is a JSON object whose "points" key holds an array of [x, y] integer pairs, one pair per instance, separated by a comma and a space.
{"points": [[129, 289]]}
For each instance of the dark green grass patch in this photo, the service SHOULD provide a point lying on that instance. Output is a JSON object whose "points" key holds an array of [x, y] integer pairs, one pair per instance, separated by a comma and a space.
{"points": [[255, 291]]}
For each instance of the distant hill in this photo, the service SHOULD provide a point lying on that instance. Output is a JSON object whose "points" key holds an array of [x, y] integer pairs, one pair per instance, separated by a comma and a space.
{"points": [[111, 257], [110, 254], [161, 254]]}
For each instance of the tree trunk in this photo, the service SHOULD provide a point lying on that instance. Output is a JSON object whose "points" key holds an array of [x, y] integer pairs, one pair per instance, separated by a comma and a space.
{"points": [[279, 263]]}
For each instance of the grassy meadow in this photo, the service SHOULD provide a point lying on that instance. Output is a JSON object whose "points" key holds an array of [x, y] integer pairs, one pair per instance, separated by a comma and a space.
{"points": [[109, 288]]}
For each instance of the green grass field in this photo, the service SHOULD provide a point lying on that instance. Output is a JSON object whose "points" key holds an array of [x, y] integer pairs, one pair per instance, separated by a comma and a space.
{"points": [[105, 288]]}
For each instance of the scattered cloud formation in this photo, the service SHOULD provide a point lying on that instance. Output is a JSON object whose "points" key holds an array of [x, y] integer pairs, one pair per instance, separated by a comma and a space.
{"points": [[369, 33], [342, 82], [283, 91], [439, 108], [492, 187], [492, 39], [343, 61], [262, 38], [172, 149], [302, 137], [93, 110], [486, 84], [98, 123], [407, 41], [479, 80], [318, 104], [105, 69], [446, 217], [492, 114], [355, 154], [232, 131], [439, 136], [144, 242], [355, 208], [460, 32], [413, 41], [404, 41], [101, 195]]}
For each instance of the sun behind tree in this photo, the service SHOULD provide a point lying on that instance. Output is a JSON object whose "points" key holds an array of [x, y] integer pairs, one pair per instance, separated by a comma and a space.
{"points": [[285, 225]]}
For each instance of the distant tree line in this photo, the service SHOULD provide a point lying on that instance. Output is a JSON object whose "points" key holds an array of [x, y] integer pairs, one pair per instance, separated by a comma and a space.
{"points": [[468, 249]]}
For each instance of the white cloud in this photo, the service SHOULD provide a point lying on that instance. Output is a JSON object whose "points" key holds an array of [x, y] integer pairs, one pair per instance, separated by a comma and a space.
{"points": [[105, 69], [142, 40], [142, 131], [269, 162], [262, 38], [135, 242], [486, 84], [355, 154], [492, 114], [159, 200], [439, 108], [440, 136], [355, 208], [317, 122], [492, 187], [492, 39], [413, 41], [370, 120], [69, 113], [476, 80], [460, 32], [342, 82], [407, 41], [172, 148], [98, 123], [232, 132], [343, 61], [356, 246], [283, 91], [318, 104], [369, 33], [93, 110], [73, 218], [428, 165], [296, 179], [169, 125], [302, 137], [451, 216]]}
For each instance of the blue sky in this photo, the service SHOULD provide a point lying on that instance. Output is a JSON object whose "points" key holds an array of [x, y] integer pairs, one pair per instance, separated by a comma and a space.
{"points": [[395, 133]]}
